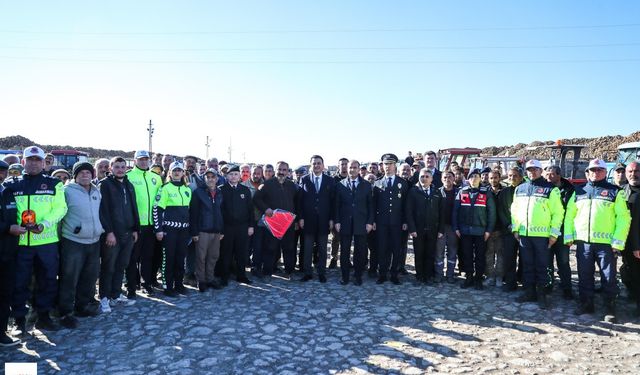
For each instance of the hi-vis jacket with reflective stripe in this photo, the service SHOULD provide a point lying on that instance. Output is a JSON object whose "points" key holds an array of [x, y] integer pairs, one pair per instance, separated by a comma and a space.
{"points": [[537, 209], [42, 194], [598, 213], [146, 185], [171, 210]]}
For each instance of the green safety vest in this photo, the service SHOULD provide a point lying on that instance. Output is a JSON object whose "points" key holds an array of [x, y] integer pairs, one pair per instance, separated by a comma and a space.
{"points": [[537, 210], [146, 185], [598, 213], [44, 196]]}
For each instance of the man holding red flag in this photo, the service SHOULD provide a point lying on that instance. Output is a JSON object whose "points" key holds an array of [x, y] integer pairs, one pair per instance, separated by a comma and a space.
{"points": [[277, 193]]}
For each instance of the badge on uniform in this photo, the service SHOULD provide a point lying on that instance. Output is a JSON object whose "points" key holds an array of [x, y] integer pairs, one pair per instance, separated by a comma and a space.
{"points": [[399, 186], [241, 196], [399, 195]]}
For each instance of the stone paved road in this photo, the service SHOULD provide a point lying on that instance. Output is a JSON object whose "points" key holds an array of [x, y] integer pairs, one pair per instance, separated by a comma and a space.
{"points": [[287, 327]]}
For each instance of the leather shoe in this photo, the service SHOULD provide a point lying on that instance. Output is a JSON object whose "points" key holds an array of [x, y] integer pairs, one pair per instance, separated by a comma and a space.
{"points": [[344, 282], [381, 280], [245, 280], [306, 278], [322, 278], [395, 280]]}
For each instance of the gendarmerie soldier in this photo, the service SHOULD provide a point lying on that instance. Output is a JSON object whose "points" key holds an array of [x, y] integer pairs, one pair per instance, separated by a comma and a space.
{"points": [[389, 194]]}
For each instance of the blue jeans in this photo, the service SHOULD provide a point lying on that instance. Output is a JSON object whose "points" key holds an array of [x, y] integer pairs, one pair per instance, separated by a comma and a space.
{"points": [[587, 255]]}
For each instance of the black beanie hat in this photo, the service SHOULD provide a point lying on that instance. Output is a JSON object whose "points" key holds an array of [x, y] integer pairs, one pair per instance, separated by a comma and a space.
{"points": [[83, 165]]}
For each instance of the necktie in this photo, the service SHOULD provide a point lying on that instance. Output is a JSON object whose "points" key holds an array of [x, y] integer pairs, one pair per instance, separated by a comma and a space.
{"points": [[389, 182], [353, 186], [317, 184]]}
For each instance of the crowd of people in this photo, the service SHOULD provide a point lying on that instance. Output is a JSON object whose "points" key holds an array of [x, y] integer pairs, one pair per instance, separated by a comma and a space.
{"points": [[166, 223]]}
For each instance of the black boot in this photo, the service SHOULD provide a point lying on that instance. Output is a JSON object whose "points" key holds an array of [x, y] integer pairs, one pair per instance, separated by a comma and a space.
{"points": [[543, 300], [585, 307], [528, 296], [468, 282], [610, 311]]}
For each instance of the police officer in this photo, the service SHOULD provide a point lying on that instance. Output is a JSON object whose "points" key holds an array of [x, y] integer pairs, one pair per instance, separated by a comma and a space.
{"points": [[35, 205], [146, 185], [536, 216], [171, 226], [237, 213], [598, 222], [389, 194]]}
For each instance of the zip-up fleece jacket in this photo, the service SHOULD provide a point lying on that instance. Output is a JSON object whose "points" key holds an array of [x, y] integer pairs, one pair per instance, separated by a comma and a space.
{"points": [[146, 185], [171, 210], [598, 213], [537, 209], [474, 211], [42, 194], [83, 214]]}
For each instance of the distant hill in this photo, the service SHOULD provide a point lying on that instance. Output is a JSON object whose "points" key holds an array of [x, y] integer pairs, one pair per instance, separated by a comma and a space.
{"points": [[18, 142]]}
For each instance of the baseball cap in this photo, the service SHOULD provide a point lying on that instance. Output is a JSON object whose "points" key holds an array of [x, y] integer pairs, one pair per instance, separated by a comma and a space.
{"points": [[175, 165], [33, 151], [597, 163], [619, 166], [533, 163], [212, 171], [141, 154]]}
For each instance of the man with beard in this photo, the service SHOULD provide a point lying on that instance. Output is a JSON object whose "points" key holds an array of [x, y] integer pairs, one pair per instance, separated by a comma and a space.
{"points": [[277, 193]]}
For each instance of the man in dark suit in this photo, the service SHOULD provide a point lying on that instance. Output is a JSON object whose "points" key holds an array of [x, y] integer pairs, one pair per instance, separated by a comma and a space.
{"points": [[315, 209], [431, 163], [237, 214], [354, 219], [389, 194], [425, 220]]}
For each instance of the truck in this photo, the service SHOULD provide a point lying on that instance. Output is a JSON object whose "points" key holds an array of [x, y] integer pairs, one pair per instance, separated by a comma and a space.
{"points": [[462, 156], [67, 158]]}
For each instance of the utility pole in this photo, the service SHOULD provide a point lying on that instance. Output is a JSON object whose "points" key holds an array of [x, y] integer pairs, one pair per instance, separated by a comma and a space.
{"points": [[229, 149], [150, 130], [207, 144]]}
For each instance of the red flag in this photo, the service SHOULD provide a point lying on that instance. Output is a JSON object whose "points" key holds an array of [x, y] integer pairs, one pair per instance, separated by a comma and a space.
{"points": [[279, 222]]}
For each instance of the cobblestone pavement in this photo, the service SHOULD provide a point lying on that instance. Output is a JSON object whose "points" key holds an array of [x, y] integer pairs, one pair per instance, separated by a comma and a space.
{"points": [[282, 326]]}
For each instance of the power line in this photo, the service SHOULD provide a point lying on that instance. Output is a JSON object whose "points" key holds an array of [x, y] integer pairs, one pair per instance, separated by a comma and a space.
{"points": [[315, 31], [591, 45], [328, 62]]}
